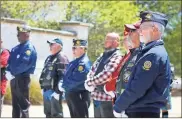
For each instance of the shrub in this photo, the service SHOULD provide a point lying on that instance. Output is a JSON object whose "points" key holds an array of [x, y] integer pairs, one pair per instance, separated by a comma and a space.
{"points": [[35, 93]]}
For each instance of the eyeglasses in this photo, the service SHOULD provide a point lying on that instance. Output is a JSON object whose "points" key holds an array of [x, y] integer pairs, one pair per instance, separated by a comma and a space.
{"points": [[128, 31], [74, 48]]}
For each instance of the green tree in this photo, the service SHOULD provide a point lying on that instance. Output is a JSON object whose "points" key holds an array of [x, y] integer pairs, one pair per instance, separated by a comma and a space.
{"points": [[24, 10], [173, 46], [106, 16], [172, 36], [33, 12]]}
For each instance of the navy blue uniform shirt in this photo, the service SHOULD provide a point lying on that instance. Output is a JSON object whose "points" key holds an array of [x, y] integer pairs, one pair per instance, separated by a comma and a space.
{"points": [[76, 74], [148, 81], [22, 59]]}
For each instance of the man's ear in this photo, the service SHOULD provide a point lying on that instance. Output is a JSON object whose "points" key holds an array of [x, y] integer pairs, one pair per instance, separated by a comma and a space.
{"points": [[116, 43], [155, 29]]}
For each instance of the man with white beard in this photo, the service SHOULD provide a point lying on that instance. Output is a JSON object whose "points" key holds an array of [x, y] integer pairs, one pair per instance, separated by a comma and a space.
{"points": [[144, 95]]}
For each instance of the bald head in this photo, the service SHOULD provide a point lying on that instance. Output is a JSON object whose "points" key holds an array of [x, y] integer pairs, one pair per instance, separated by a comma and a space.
{"points": [[113, 36], [111, 40]]}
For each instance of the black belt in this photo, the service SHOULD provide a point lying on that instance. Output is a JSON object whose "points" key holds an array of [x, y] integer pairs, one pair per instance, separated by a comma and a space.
{"points": [[22, 75]]}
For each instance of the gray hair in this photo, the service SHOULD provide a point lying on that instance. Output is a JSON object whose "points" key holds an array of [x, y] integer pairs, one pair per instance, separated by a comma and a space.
{"points": [[159, 26]]}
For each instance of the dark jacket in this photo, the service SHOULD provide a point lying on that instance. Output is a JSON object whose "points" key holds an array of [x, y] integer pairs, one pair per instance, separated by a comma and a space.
{"points": [[150, 78]]}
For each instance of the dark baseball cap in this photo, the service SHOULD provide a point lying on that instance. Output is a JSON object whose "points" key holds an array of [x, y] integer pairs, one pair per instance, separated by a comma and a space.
{"points": [[57, 40]]}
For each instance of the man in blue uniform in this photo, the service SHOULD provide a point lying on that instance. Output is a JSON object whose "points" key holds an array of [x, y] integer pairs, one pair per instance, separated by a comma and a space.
{"points": [[52, 73], [21, 64], [77, 97], [144, 94]]}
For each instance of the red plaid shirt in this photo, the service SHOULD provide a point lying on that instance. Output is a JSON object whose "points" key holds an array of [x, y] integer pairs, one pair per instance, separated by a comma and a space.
{"points": [[103, 76]]}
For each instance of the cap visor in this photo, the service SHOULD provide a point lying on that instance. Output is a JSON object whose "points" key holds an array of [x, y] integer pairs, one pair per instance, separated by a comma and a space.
{"points": [[49, 41], [130, 26]]}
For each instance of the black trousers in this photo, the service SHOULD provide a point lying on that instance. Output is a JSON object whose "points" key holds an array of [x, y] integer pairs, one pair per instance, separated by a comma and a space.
{"points": [[20, 96], [78, 103], [104, 110], [53, 108], [143, 115]]}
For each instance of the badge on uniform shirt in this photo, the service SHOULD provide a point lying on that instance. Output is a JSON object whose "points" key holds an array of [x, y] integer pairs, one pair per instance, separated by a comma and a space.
{"points": [[130, 65], [50, 68], [80, 68], [126, 76], [18, 56], [147, 65], [28, 52]]}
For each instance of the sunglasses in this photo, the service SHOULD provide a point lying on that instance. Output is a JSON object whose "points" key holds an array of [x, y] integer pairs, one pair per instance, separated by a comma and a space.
{"points": [[74, 48], [127, 32]]}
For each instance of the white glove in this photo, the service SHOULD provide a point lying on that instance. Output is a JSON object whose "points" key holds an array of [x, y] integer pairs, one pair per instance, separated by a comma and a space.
{"points": [[111, 93], [117, 115], [89, 88], [60, 87], [42, 91], [9, 76], [55, 95]]}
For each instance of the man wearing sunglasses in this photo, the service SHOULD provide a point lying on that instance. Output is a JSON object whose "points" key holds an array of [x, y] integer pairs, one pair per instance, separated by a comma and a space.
{"points": [[21, 64], [150, 79], [77, 98], [100, 77], [52, 73]]}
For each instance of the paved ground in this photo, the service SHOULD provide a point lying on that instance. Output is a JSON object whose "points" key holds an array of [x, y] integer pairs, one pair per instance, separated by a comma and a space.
{"points": [[37, 111]]}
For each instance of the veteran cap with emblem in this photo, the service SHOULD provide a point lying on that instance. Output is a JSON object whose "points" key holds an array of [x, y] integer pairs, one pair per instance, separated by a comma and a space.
{"points": [[57, 40], [79, 42], [154, 16], [24, 28]]}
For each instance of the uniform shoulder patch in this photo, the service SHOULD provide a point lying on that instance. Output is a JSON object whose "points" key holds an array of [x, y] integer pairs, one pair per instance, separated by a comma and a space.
{"points": [[147, 65], [28, 52], [80, 68]]}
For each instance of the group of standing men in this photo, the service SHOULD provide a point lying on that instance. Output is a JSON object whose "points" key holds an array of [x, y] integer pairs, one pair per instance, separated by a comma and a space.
{"points": [[135, 84]]}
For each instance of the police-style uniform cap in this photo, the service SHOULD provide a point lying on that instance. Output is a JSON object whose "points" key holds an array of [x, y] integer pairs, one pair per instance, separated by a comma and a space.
{"points": [[24, 28], [154, 16], [57, 40], [79, 42]]}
